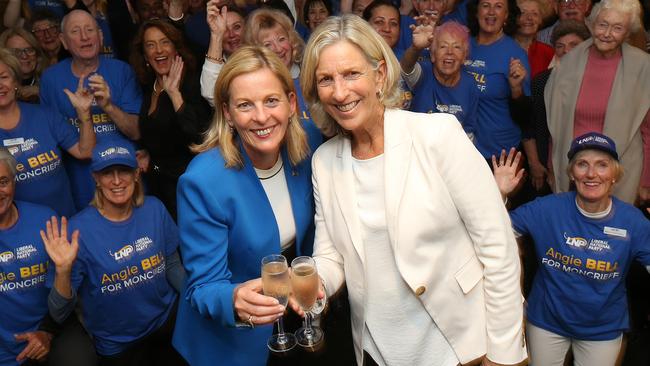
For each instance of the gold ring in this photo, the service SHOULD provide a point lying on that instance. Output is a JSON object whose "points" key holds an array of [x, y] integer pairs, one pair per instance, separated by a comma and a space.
{"points": [[250, 321]]}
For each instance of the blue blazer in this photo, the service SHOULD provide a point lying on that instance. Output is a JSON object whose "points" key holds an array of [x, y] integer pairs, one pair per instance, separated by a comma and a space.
{"points": [[226, 226]]}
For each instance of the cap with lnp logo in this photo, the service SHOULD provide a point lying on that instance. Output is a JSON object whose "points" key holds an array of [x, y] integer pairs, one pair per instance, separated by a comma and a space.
{"points": [[111, 153], [593, 140]]}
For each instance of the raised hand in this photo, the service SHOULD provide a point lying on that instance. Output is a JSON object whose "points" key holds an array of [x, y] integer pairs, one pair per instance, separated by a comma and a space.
{"points": [[81, 99], [100, 90], [422, 35], [171, 82], [216, 18], [38, 345], [516, 75], [62, 252], [506, 174]]}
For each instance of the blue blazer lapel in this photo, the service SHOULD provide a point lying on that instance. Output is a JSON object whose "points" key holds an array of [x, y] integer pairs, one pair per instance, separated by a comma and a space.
{"points": [[302, 202]]}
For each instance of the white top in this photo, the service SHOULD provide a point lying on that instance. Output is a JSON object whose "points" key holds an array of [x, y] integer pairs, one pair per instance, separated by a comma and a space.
{"points": [[275, 186], [399, 331]]}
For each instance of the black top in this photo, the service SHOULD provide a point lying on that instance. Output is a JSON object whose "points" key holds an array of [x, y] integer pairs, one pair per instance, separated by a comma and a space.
{"points": [[538, 128]]}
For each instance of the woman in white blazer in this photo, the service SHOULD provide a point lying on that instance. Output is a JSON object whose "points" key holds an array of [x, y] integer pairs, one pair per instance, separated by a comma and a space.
{"points": [[407, 214]]}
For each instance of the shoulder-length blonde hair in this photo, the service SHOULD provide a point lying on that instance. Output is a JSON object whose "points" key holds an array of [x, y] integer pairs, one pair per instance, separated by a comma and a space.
{"points": [[41, 59], [243, 61], [356, 31], [266, 18]]}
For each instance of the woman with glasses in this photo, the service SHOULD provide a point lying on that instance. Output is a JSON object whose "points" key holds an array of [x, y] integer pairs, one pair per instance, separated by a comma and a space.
{"points": [[603, 85], [32, 61]]}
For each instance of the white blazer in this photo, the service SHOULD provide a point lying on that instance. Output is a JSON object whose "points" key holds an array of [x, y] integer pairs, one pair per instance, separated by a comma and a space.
{"points": [[448, 227]]}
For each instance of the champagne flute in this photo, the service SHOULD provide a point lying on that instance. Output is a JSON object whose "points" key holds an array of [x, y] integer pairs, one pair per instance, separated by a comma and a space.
{"points": [[276, 283], [305, 283]]}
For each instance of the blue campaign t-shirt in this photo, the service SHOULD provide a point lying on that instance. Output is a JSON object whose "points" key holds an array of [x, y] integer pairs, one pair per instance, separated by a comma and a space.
{"points": [[125, 94], [458, 15], [314, 136], [579, 289], [490, 66], [429, 96], [37, 143], [107, 45], [119, 273], [23, 272], [55, 6]]}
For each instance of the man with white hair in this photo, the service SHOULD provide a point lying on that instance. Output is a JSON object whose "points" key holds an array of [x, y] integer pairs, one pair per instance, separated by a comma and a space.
{"points": [[117, 95]]}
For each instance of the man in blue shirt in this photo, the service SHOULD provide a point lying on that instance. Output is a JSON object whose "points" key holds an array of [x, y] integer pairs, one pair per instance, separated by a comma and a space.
{"points": [[117, 96]]}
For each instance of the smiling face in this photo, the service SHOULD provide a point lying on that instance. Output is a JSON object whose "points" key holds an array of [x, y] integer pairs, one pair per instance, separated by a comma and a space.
{"points": [[259, 110], [25, 53], [593, 173], [385, 20], [449, 54], [347, 86], [530, 19], [117, 185], [316, 14], [159, 50], [234, 30], [430, 7], [7, 189], [8, 85], [610, 30], [81, 36], [277, 40], [491, 15]]}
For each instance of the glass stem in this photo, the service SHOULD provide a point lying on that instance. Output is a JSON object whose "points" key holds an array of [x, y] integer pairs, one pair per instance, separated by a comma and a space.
{"points": [[282, 338], [308, 331]]}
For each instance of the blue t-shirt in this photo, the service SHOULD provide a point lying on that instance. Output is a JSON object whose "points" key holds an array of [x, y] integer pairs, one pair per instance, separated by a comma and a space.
{"points": [[314, 136], [37, 143], [23, 271], [579, 288], [490, 65], [461, 100], [458, 15], [107, 45], [119, 273], [125, 93], [55, 6]]}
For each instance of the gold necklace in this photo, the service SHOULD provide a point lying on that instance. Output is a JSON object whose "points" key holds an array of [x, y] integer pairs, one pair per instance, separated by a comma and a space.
{"points": [[154, 87]]}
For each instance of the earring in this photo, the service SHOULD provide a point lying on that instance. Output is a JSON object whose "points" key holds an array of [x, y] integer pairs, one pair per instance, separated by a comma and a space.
{"points": [[146, 63], [380, 94]]}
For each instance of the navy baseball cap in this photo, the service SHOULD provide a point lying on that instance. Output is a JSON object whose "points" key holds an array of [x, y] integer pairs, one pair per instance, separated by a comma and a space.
{"points": [[593, 141], [109, 153]]}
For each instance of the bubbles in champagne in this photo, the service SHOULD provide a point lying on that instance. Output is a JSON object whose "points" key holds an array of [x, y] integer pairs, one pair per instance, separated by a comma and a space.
{"points": [[304, 282], [275, 281]]}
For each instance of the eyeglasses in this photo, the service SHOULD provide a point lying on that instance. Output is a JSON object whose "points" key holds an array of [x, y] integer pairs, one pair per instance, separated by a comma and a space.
{"points": [[52, 30], [567, 2], [29, 51]]}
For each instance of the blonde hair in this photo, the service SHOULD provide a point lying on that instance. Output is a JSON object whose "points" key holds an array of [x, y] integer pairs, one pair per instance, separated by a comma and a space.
{"points": [[136, 200], [616, 165], [243, 61], [356, 31], [8, 58], [266, 18], [41, 60], [630, 7]]}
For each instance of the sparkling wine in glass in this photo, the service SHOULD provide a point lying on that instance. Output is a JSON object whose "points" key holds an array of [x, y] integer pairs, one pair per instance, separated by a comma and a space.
{"points": [[276, 283], [305, 283]]}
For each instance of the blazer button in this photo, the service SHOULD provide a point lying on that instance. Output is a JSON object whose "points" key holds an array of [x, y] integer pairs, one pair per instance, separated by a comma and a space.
{"points": [[420, 290]]}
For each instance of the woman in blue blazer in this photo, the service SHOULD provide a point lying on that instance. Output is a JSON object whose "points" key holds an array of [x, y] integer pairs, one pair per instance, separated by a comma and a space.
{"points": [[247, 194]]}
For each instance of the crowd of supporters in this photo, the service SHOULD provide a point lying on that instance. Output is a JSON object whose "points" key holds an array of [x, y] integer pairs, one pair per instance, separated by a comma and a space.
{"points": [[139, 189]]}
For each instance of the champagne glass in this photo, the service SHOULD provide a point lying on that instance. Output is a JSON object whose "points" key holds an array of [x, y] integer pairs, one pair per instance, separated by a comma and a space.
{"points": [[276, 283], [305, 283]]}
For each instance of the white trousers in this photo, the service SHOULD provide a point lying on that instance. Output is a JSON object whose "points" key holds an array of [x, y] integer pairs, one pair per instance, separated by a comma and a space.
{"points": [[549, 349]]}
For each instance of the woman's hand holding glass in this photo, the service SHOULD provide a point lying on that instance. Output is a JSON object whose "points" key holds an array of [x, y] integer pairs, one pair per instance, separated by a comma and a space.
{"points": [[306, 286], [252, 307], [276, 284]]}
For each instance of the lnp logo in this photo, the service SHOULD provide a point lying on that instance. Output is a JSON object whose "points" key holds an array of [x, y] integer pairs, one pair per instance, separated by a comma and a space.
{"points": [[123, 253], [575, 241], [5, 257]]}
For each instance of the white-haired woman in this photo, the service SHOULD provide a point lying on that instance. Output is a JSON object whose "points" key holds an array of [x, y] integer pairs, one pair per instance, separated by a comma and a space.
{"points": [[603, 86], [426, 251]]}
